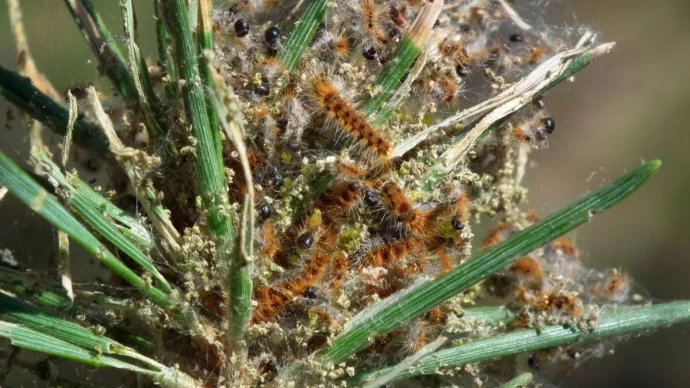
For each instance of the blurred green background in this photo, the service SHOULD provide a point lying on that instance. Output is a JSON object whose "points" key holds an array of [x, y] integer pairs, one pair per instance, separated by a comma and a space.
{"points": [[630, 106]]}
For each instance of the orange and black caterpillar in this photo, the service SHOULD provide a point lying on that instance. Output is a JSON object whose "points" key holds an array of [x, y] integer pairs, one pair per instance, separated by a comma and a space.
{"points": [[370, 23], [311, 273], [388, 253], [349, 170], [349, 119], [344, 192], [340, 197], [271, 304], [340, 46], [417, 222]]}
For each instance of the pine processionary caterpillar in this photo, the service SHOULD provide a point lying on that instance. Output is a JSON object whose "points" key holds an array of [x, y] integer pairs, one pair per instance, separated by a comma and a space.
{"points": [[349, 119], [385, 254], [416, 221], [370, 24]]}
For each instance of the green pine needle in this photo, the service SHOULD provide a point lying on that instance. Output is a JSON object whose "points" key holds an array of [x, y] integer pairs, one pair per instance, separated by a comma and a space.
{"points": [[303, 33], [613, 322], [24, 95], [395, 311], [22, 186]]}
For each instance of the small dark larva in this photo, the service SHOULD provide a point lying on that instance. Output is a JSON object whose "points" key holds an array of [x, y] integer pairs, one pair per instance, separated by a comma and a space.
{"points": [[241, 28], [272, 35]]}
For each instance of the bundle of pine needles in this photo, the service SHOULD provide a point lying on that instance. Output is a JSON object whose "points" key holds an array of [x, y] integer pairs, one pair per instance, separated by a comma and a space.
{"points": [[309, 175]]}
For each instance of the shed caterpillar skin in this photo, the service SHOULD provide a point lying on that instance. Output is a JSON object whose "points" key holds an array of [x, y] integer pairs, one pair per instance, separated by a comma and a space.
{"points": [[339, 267], [614, 288], [349, 119], [449, 90], [499, 233], [270, 242], [529, 272], [566, 246], [419, 339]]}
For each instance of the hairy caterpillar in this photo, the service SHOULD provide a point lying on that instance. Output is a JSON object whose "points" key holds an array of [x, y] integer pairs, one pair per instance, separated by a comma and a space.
{"points": [[349, 119]]}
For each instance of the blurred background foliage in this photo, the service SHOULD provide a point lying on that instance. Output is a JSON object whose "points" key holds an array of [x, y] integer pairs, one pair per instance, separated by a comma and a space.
{"points": [[632, 105]]}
